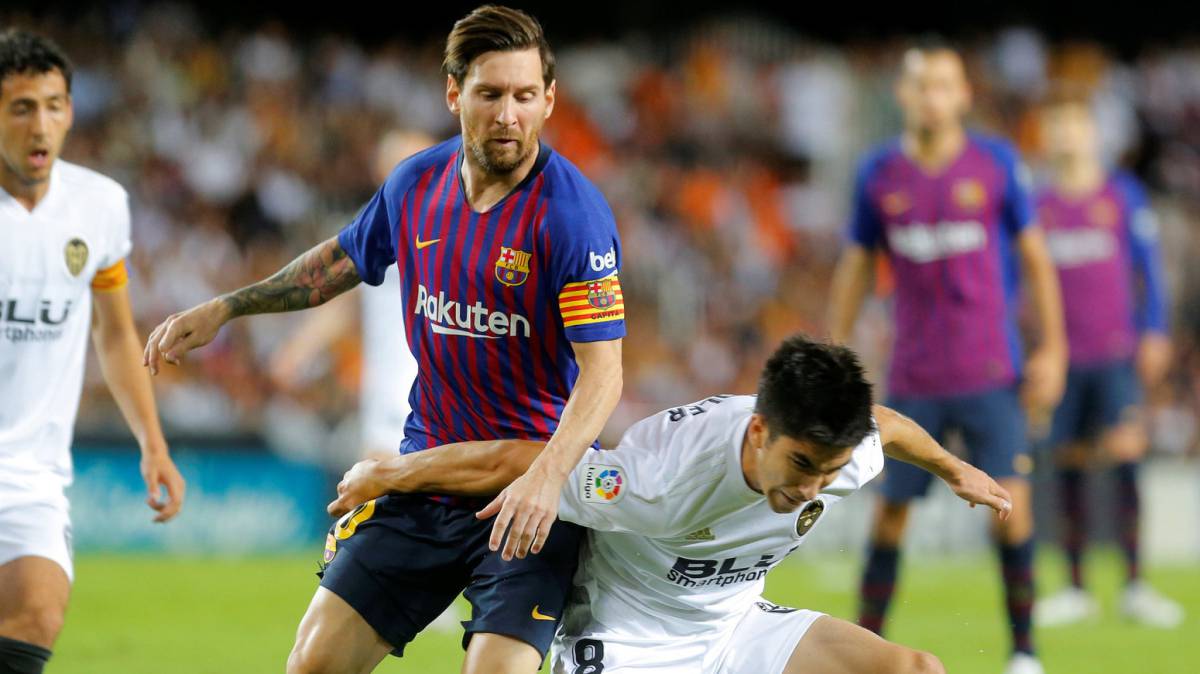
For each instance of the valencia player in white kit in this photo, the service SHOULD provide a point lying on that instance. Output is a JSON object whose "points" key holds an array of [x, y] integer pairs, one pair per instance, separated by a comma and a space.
{"points": [[695, 506], [64, 235]]}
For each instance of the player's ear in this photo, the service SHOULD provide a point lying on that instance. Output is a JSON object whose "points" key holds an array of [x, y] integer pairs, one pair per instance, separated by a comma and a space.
{"points": [[550, 93], [453, 94]]}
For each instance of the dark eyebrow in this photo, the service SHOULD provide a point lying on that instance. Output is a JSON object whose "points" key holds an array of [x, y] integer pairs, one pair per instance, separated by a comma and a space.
{"points": [[805, 462]]}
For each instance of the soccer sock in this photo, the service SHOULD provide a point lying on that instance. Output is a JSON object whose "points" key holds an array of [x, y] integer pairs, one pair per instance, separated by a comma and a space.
{"points": [[19, 657], [1073, 520], [1016, 562], [1128, 513], [878, 584]]}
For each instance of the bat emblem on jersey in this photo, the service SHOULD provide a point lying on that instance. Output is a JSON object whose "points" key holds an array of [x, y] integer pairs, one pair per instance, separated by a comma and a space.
{"points": [[76, 255], [512, 267], [808, 517]]}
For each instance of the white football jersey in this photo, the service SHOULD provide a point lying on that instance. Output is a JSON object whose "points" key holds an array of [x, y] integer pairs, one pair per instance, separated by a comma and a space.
{"points": [[679, 544], [48, 258], [388, 379]]}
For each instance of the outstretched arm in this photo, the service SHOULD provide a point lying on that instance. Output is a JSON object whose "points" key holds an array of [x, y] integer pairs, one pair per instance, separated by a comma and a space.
{"points": [[312, 279], [481, 468], [906, 441]]}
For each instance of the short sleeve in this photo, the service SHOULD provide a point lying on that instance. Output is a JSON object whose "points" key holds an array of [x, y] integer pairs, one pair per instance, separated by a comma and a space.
{"points": [[866, 226], [1146, 258], [1016, 208], [584, 264], [370, 240], [619, 490], [866, 463], [117, 242]]}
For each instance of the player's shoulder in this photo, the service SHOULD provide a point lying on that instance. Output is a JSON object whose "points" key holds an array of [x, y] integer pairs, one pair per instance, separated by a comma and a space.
{"points": [[879, 156], [1128, 186], [82, 181], [998, 148], [568, 191], [407, 173], [696, 428]]}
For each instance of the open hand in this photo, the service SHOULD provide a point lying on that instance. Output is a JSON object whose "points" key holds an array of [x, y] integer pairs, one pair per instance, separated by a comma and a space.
{"points": [[977, 488], [530, 506]]}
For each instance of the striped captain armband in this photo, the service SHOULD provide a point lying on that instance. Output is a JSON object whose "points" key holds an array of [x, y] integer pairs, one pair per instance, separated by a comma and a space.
{"points": [[587, 302], [112, 278]]}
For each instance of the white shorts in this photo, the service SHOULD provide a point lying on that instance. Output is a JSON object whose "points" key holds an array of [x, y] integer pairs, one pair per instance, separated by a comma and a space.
{"points": [[36, 528], [761, 642]]}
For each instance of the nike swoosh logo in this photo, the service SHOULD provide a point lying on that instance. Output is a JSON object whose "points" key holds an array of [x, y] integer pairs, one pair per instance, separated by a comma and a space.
{"points": [[538, 615], [425, 244]]}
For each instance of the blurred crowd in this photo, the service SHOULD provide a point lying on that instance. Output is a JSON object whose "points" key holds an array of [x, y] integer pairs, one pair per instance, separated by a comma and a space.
{"points": [[725, 150]]}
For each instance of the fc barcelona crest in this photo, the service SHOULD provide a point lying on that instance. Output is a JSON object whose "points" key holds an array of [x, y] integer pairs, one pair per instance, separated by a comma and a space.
{"points": [[808, 517], [601, 294], [512, 267], [969, 194], [1103, 213], [76, 254]]}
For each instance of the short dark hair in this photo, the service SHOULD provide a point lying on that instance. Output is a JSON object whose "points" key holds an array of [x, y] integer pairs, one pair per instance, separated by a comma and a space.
{"points": [[22, 52], [815, 391], [495, 28]]}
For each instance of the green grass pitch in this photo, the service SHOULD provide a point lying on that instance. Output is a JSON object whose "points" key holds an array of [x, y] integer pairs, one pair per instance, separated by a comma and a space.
{"points": [[150, 615]]}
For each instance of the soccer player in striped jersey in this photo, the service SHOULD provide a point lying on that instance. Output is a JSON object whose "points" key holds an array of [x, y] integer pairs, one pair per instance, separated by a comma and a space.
{"points": [[952, 212], [508, 262], [1103, 238]]}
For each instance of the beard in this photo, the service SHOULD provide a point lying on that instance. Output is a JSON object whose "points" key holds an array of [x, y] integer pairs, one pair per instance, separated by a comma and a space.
{"points": [[498, 160]]}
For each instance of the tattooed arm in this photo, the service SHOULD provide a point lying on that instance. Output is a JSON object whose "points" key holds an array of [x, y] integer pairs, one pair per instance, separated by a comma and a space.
{"points": [[317, 276]]}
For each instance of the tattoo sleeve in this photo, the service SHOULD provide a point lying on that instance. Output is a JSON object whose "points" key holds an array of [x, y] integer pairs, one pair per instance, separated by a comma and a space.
{"points": [[314, 278]]}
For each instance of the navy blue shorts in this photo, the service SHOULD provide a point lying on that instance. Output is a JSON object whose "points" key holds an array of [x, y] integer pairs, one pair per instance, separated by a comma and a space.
{"points": [[1097, 397], [400, 560], [992, 425]]}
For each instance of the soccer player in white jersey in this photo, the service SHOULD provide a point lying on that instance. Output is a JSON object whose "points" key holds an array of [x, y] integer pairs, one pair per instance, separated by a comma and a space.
{"points": [[64, 233], [694, 507]]}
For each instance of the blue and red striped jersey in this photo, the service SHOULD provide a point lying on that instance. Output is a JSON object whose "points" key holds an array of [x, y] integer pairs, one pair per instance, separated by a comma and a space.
{"points": [[951, 239], [492, 300]]}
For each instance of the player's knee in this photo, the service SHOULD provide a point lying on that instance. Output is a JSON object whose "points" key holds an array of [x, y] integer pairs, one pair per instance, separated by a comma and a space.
{"points": [[926, 663], [38, 625], [890, 522], [307, 660]]}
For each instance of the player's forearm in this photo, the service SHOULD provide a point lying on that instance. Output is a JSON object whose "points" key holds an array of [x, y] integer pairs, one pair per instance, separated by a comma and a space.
{"points": [[482, 468], [596, 392], [1042, 281], [119, 353], [851, 281], [317, 276], [904, 440]]}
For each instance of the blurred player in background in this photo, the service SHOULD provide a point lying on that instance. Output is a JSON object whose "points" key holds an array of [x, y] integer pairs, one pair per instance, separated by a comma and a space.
{"points": [[1103, 238], [695, 506], [508, 259], [952, 212], [64, 236]]}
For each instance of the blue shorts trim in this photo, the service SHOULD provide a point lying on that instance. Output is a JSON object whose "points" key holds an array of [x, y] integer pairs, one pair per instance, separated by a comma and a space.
{"points": [[993, 428], [404, 562]]}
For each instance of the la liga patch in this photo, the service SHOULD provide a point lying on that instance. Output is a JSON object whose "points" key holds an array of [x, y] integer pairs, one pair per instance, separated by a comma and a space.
{"points": [[602, 484]]}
